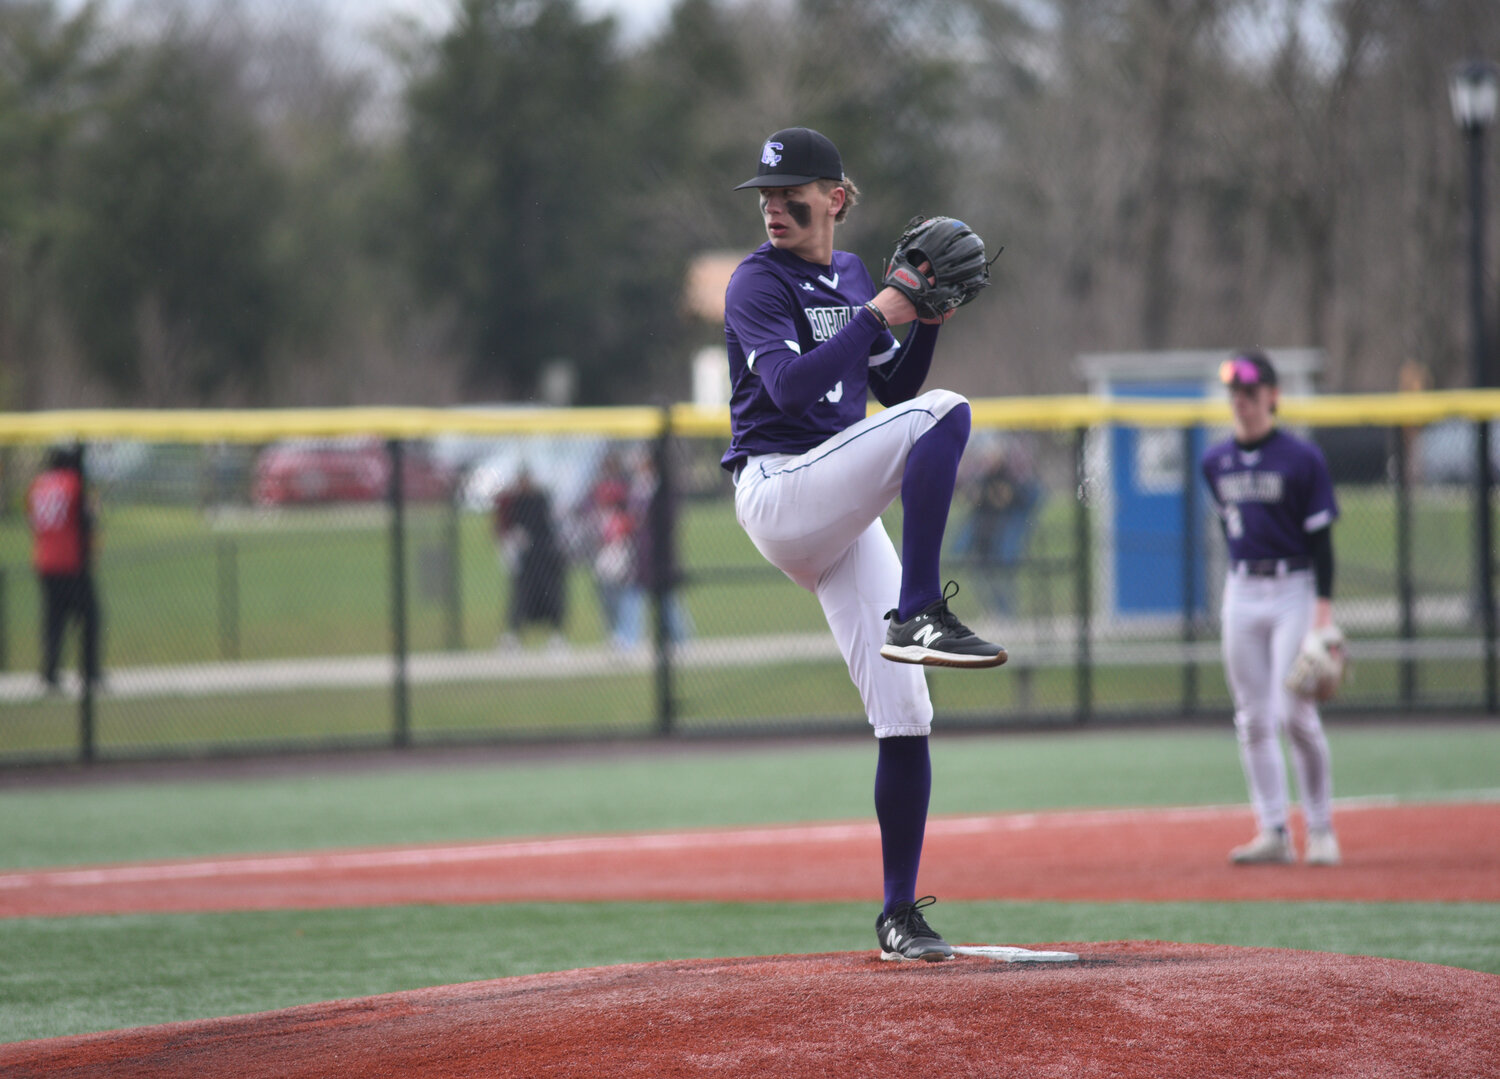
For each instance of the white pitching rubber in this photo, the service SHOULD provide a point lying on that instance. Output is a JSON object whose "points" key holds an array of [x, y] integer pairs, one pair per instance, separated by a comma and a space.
{"points": [[1014, 955]]}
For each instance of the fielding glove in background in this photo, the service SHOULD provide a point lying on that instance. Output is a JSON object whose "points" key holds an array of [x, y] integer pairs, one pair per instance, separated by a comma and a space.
{"points": [[1319, 668]]}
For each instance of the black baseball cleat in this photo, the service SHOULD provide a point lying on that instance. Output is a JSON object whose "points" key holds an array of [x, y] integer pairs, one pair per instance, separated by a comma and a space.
{"points": [[905, 934], [934, 637]]}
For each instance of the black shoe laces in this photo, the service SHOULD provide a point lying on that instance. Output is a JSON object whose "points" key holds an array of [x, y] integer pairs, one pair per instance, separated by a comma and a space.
{"points": [[908, 916], [946, 618]]}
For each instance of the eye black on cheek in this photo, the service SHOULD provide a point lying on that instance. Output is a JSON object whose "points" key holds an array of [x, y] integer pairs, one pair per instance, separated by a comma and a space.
{"points": [[801, 213]]}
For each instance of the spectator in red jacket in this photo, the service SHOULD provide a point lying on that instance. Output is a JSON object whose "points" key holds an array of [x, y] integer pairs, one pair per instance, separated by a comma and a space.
{"points": [[62, 532]]}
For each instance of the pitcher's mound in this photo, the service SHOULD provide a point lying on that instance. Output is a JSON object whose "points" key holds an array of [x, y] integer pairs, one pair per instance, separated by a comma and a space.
{"points": [[1126, 1009]]}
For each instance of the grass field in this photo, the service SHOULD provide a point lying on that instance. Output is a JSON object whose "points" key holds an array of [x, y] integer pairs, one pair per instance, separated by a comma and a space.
{"points": [[184, 587], [71, 975]]}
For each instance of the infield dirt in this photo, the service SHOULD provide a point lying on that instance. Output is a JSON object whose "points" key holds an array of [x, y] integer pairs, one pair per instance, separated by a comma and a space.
{"points": [[1127, 1009]]}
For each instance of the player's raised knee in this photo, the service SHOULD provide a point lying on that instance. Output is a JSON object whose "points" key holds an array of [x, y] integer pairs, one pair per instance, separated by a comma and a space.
{"points": [[941, 402]]}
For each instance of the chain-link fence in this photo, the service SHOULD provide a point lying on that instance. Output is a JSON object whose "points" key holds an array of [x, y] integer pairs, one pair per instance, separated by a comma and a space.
{"points": [[584, 577]]}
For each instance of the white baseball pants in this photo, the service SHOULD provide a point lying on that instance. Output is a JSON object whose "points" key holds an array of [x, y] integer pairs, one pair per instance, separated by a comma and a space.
{"points": [[1264, 621], [816, 517]]}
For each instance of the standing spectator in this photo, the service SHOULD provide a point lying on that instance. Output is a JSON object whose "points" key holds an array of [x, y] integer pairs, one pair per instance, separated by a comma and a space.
{"points": [[651, 507], [612, 542], [62, 530], [999, 526], [529, 549]]}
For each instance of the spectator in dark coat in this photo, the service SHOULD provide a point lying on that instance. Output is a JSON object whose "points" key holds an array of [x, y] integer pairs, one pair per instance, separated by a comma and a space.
{"points": [[527, 539]]}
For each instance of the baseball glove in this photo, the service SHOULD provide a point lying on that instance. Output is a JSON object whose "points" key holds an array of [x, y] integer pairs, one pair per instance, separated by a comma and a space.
{"points": [[1319, 668], [956, 264]]}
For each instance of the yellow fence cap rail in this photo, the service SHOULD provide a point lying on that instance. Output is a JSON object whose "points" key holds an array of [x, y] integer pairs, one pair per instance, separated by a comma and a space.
{"points": [[1334, 410], [268, 425], [1036, 413]]}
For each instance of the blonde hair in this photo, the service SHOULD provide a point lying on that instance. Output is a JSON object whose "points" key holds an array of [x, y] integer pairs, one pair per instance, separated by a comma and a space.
{"points": [[851, 196]]}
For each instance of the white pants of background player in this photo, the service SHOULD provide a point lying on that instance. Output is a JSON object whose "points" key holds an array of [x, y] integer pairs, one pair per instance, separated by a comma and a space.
{"points": [[1264, 621], [816, 517]]}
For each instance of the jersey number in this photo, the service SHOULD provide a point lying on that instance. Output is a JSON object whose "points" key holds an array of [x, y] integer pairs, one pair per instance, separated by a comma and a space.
{"points": [[1234, 524], [835, 395]]}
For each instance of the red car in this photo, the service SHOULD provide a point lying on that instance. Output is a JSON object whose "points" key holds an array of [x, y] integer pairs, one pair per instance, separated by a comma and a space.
{"points": [[344, 470]]}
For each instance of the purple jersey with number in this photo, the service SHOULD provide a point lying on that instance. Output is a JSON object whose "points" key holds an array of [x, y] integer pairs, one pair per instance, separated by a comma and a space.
{"points": [[1271, 496], [777, 307]]}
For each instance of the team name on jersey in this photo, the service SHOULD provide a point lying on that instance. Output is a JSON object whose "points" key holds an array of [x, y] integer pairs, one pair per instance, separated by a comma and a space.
{"points": [[826, 321], [1251, 487]]}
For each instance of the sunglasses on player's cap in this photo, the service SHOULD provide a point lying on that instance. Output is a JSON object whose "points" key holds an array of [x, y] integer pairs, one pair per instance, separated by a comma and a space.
{"points": [[795, 156], [1247, 369]]}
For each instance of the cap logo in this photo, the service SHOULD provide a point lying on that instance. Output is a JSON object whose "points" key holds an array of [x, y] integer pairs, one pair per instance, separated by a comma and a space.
{"points": [[1239, 371], [768, 154]]}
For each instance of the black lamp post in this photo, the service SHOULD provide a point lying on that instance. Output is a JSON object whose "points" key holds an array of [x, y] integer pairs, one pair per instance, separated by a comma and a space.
{"points": [[1474, 89]]}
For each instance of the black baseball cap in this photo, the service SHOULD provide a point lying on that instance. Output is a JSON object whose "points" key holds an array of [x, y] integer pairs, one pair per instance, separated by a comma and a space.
{"points": [[1247, 369], [796, 155]]}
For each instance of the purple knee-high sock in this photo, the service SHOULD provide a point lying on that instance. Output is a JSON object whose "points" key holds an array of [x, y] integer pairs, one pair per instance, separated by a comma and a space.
{"points": [[926, 493], [903, 786]]}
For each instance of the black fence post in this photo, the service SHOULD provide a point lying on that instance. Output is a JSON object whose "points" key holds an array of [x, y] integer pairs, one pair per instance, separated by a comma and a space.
{"points": [[453, 583], [1192, 546], [1404, 591], [227, 563], [1083, 582], [1485, 558], [401, 701], [87, 736], [664, 571], [87, 730]]}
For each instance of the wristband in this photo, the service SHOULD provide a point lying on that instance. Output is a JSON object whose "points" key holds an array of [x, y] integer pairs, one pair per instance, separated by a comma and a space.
{"points": [[879, 315]]}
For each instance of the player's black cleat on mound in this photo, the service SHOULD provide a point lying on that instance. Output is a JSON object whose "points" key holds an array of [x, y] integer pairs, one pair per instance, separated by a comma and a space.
{"points": [[905, 934], [934, 637]]}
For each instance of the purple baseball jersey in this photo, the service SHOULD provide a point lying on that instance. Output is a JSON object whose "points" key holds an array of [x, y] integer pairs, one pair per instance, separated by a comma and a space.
{"points": [[778, 307], [1271, 496]]}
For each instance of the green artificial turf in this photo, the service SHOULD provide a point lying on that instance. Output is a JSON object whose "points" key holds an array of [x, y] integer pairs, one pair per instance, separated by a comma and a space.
{"points": [[70, 975], [677, 786]]}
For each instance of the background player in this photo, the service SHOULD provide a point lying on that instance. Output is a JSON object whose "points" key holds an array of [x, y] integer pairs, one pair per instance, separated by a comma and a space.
{"points": [[808, 337], [1276, 504]]}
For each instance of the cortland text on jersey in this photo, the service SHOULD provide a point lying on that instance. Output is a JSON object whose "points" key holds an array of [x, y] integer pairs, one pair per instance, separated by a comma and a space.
{"points": [[1251, 486], [827, 321]]}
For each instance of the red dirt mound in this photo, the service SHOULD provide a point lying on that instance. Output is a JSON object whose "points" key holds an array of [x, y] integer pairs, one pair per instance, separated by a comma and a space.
{"points": [[1127, 1010]]}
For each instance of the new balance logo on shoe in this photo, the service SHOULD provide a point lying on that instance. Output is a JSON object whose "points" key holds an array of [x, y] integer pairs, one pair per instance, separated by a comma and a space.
{"points": [[905, 934], [934, 637], [926, 635]]}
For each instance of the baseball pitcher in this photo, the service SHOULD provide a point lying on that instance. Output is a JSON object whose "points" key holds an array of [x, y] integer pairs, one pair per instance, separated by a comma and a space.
{"points": [[809, 338]]}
